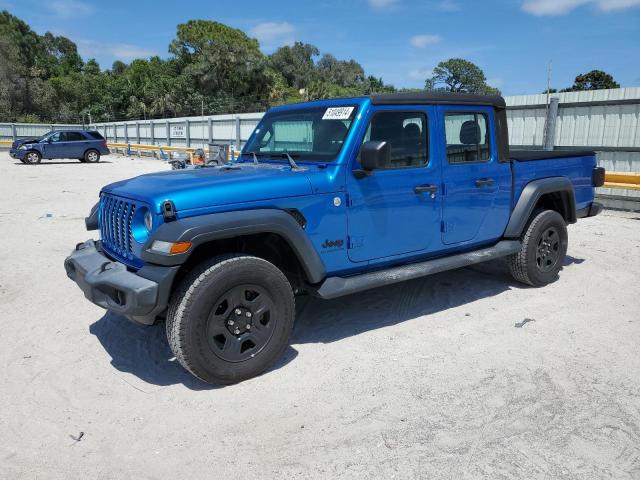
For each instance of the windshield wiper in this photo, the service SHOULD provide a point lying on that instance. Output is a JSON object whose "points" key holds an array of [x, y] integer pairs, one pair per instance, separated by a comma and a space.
{"points": [[292, 163]]}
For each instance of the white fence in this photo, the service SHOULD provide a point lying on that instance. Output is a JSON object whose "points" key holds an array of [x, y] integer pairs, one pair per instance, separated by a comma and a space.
{"points": [[607, 121]]}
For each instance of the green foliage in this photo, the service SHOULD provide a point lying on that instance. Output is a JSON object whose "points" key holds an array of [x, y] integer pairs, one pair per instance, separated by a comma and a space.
{"points": [[593, 80], [459, 75]]}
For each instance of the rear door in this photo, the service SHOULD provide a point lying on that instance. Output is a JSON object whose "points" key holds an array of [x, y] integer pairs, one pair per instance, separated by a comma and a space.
{"points": [[75, 144], [391, 212], [477, 186]]}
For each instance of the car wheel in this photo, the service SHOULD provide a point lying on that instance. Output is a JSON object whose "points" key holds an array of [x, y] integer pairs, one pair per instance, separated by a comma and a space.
{"points": [[92, 156], [231, 318], [32, 157], [544, 247]]}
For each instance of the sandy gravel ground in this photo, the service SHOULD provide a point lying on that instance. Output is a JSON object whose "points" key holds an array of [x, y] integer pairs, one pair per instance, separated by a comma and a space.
{"points": [[427, 379]]}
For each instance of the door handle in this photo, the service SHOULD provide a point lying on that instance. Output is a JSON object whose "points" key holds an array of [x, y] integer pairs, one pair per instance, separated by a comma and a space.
{"points": [[481, 182], [426, 189]]}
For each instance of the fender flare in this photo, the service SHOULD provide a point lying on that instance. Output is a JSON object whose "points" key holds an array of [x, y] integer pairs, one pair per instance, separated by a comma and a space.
{"points": [[530, 196], [217, 226]]}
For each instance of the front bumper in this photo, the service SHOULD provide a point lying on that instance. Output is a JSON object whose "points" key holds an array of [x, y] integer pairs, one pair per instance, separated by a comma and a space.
{"points": [[18, 154], [140, 296]]}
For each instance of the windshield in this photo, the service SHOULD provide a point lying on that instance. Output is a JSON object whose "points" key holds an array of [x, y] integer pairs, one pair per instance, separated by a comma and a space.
{"points": [[317, 133]]}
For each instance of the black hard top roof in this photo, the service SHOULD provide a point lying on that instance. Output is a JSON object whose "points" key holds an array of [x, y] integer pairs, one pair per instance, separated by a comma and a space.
{"points": [[446, 98]]}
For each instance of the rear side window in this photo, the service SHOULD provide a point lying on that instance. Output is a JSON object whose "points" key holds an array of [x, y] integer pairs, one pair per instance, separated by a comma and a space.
{"points": [[467, 136], [406, 134], [95, 135], [72, 137]]}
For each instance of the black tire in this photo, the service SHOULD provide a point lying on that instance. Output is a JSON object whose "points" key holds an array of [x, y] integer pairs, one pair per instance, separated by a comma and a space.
{"points": [[32, 157], [544, 247], [92, 156], [198, 328]]}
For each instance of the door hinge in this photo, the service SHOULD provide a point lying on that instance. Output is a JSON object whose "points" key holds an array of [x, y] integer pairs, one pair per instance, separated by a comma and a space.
{"points": [[347, 200], [354, 242]]}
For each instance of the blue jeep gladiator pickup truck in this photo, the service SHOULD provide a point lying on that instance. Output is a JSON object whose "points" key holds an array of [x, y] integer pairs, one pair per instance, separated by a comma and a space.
{"points": [[328, 198], [85, 145]]}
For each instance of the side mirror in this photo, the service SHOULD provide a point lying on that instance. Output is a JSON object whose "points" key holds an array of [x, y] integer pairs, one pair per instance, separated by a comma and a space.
{"points": [[49, 140], [374, 155]]}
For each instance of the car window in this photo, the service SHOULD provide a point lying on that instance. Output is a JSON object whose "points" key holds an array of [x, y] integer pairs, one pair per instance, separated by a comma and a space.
{"points": [[406, 134], [56, 137], [95, 135], [74, 137], [467, 135]]}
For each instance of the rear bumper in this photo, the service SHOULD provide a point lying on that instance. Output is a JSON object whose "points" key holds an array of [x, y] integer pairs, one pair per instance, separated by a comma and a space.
{"points": [[591, 211], [139, 296]]}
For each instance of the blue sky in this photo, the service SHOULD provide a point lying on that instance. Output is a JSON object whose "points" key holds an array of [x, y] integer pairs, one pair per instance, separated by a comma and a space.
{"points": [[400, 40]]}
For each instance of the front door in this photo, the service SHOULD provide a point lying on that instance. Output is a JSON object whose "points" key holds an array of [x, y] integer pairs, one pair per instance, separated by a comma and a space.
{"points": [[395, 210], [477, 186]]}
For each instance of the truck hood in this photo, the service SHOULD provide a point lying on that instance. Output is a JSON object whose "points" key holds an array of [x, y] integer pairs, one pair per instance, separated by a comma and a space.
{"points": [[213, 186]]}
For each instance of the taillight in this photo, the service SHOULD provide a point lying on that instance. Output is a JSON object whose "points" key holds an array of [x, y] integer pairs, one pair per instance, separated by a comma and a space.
{"points": [[597, 177]]}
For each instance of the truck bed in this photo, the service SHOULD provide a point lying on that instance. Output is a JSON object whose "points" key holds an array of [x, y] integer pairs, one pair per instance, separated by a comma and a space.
{"points": [[577, 165]]}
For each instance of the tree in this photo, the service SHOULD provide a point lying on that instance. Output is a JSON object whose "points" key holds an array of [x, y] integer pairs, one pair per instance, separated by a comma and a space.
{"points": [[593, 80], [296, 63], [459, 75]]}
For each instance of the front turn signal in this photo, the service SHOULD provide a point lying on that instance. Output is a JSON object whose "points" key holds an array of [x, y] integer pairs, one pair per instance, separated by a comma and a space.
{"points": [[170, 248]]}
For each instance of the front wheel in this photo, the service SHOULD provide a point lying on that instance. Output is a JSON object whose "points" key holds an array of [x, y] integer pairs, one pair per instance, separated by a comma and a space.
{"points": [[231, 318], [32, 157], [544, 247]]}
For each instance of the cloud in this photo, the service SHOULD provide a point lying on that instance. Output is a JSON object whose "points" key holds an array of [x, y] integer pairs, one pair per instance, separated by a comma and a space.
{"points": [[562, 7], [273, 34], [421, 41], [382, 4], [67, 9], [120, 51]]}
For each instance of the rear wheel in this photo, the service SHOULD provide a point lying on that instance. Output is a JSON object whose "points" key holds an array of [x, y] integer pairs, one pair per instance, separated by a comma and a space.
{"points": [[231, 318], [544, 247], [92, 156], [32, 157]]}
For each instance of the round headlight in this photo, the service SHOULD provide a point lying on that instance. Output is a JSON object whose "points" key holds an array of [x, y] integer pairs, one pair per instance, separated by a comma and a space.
{"points": [[148, 220]]}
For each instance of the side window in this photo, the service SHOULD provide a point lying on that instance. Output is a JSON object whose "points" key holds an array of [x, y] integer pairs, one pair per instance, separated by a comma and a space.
{"points": [[406, 134], [75, 137], [467, 137], [95, 135], [56, 137]]}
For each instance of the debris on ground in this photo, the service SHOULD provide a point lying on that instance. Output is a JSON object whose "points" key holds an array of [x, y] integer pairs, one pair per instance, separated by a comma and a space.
{"points": [[523, 322]]}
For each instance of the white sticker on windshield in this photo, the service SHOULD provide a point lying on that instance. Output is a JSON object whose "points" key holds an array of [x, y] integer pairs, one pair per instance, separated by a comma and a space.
{"points": [[338, 113]]}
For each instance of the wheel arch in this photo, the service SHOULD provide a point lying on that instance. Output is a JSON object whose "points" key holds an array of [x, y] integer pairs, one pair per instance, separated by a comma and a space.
{"points": [[267, 233], [554, 193]]}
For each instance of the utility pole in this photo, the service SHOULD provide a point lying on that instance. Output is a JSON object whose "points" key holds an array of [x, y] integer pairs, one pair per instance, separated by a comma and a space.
{"points": [[548, 83], [144, 111], [90, 121], [202, 107]]}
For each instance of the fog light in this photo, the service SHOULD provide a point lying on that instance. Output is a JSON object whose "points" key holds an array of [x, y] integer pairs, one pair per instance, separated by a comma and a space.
{"points": [[170, 248]]}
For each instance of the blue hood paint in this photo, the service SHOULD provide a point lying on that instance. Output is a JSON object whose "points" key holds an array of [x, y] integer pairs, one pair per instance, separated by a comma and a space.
{"points": [[208, 187]]}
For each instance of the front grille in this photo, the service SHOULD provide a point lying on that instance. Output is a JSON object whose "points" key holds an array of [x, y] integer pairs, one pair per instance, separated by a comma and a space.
{"points": [[116, 215]]}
